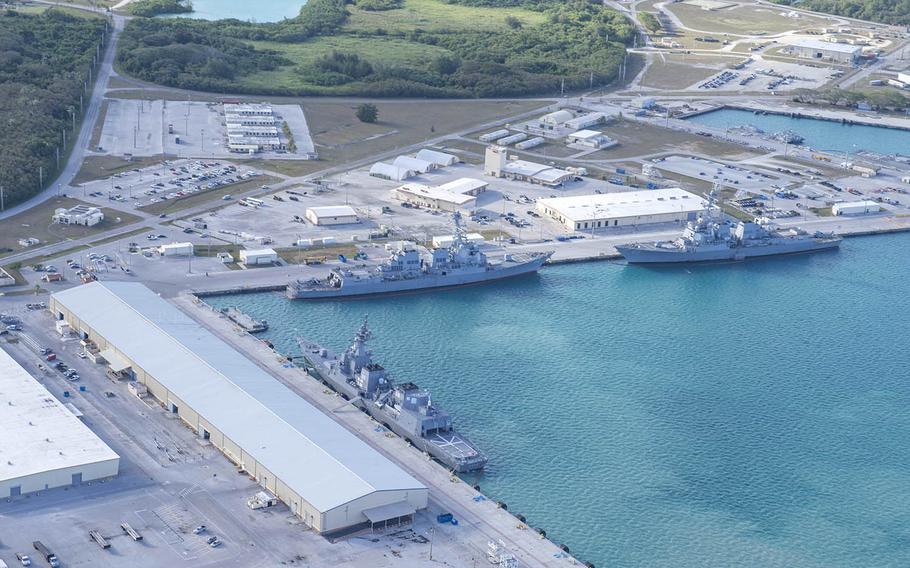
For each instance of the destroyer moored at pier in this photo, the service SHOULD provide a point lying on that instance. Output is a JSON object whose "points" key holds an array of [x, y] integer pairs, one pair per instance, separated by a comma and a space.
{"points": [[411, 269], [406, 409], [712, 238]]}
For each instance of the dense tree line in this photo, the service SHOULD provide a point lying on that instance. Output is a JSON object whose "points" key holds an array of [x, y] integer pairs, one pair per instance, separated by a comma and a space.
{"points": [[884, 11], [578, 44], [148, 8], [44, 61]]}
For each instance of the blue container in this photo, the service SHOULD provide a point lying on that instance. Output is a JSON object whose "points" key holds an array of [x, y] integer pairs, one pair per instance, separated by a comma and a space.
{"points": [[444, 518], [66, 394], [81, 388]]}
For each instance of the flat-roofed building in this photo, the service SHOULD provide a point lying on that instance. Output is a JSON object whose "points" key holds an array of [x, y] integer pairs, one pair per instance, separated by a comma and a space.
{"points": [[496, 163], [176, 249], [326, 475], [458, 194], [581, 212], [332, 215], [823, 50], [252, 257], [79, 215], [44, 444], [589, 139]]}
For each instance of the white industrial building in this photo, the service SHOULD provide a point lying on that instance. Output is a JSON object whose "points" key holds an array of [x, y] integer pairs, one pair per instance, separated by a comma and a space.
{"points": [[586, 120], [176, 249], [458, 194], [589, 139], [326, 475], [332, 215], [251, 128], [621, 209], [555, 119], [44, 444], [390, 172], [855, 208], [414, 164], [78, 215], [496, 163], [441, 159], [823, 50], [252, 257]]}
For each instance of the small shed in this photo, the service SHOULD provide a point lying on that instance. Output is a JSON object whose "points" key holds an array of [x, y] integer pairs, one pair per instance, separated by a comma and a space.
{"points": [[253, 257], [332, 215], [176, 249]]}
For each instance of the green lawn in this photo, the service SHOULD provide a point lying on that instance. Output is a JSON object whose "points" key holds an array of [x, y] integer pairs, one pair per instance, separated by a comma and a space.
{"points": [[435, 15], [746, 19], [377, 49]]}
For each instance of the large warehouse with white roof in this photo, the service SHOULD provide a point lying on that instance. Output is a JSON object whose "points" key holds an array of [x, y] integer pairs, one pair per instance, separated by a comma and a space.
{"points": [[44, 445], [328, 476], [620, 209]]}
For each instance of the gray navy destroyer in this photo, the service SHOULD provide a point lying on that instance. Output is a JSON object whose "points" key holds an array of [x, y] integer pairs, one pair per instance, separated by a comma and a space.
{"points": [[406, 409], [712, 238], [411, 269]]}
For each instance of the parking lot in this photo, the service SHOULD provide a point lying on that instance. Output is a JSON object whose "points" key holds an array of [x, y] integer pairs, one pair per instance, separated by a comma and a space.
{"points": [[172, 179], [187, 129]]}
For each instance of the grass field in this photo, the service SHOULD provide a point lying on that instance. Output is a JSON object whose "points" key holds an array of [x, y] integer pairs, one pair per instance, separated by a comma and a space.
{"points": [[340, 136], [638, 139], [100, 167], [435, 15], [681, 71], [426, 15], [387, 50], [36, 222], [745, 20]]}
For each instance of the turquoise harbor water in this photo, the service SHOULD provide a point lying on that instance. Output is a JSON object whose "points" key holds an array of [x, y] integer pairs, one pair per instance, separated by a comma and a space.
{"points": [[748, 415], [819, 134], [246, 10]]}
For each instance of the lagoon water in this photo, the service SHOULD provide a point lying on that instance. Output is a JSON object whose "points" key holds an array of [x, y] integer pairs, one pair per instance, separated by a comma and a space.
{"points": [[246, 10], [819, 134], [749, 415]]}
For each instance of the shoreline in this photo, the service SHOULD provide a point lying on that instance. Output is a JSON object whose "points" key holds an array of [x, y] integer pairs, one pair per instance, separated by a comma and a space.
{"points": [[759, 109]]}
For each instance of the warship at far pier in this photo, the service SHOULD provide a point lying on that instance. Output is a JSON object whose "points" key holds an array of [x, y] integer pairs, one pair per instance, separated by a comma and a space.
{"points": [[405, 408], [712, 238], [410, 268]]}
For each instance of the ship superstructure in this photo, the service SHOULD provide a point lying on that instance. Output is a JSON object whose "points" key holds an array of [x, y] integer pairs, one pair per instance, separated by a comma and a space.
{"points": [[406, 409], [713, 238], [411, 267]]}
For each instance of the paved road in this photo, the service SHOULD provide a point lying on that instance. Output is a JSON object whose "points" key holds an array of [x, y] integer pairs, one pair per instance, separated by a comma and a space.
{"points": [[74, 162]]}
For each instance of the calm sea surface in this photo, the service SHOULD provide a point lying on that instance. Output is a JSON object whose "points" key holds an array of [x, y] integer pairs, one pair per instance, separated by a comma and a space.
{"points": [[749, 415], [819, 134], [246, 10]]}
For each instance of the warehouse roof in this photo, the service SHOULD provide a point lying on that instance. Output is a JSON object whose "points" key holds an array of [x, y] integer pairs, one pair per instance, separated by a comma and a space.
{"points": [[557, 117], [39, 433], [436, 193], [333, 211], [315, 456], [413, 164], [625, 204], [438, 158], [394, 173], [827, 46]]}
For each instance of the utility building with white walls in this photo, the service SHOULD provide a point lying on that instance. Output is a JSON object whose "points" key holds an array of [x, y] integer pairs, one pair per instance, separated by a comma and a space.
{"points": [[78, 215], [326, 475], [332, 215], [581, 212], [252, 257], [44, 445]]}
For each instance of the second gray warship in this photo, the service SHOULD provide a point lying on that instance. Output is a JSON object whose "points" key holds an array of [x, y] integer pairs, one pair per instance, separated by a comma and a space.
{"points": [[408, 269], [405, 409], [712, 238]]}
